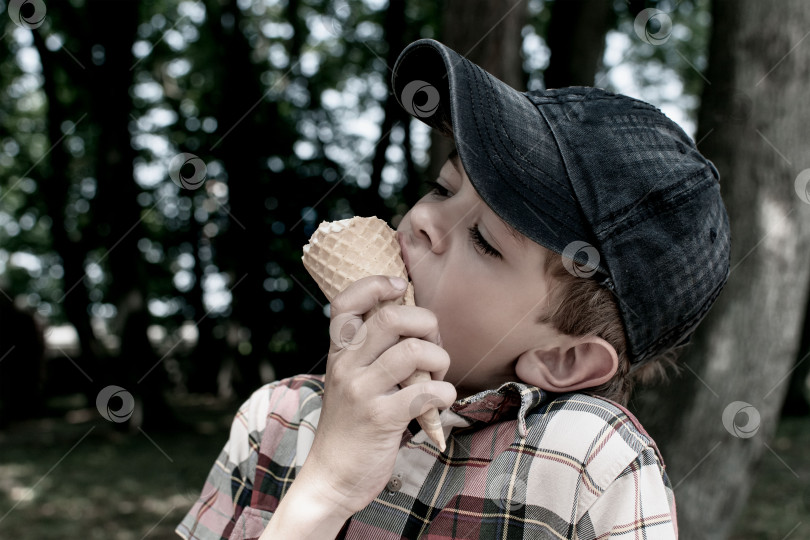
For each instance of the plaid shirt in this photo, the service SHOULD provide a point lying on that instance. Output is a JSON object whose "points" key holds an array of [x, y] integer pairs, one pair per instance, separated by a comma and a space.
{"points": [[520, 463]]}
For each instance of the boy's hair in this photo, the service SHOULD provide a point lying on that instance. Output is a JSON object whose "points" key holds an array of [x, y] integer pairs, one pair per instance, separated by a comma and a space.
{"points": [[580, 306]]}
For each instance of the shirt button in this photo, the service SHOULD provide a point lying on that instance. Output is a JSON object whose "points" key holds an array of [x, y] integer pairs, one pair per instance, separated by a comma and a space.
{"points": [[394, 484]]}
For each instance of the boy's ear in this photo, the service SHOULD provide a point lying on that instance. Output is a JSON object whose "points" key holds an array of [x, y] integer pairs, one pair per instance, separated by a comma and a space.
{"points": [[574, 364]]}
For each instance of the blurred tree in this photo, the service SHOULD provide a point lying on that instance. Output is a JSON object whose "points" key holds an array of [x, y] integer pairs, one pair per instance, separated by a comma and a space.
{"points": [[56, 189], [245, 115], [576, 39], [748, 343], [101, 73], [796, 401], [21, 363]]}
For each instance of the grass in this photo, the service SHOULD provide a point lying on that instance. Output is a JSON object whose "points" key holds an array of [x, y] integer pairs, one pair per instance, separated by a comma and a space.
{"points": [[119, 486], [111, 485], [779, 505]]}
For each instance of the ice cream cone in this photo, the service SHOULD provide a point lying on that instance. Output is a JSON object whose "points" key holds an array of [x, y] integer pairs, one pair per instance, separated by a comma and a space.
{"points": [[341, 252]]}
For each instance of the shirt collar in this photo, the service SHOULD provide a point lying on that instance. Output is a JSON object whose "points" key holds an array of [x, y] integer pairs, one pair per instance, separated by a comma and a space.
{"points": [[510, 400]]}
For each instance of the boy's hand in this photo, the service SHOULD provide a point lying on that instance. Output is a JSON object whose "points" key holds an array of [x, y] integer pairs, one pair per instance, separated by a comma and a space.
{"points": [[364, 411]]}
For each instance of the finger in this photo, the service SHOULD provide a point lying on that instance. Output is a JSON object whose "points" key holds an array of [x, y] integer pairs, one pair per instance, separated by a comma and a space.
{"points": [[347, 308], [387, 326], [365, 293], [401, 360], [416, 400]]}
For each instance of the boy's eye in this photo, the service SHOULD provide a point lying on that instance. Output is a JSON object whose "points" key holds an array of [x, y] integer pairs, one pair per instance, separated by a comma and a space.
{"points": [[479, 241], [475, 234], [437, 188]]}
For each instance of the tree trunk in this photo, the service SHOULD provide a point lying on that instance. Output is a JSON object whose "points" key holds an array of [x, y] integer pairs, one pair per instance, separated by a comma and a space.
{"points": [[244, 244], [108, 81], [54, 188], [576, 38], [753, 126], [394, 28], [205, 361], [488, 33], [796, 403]]}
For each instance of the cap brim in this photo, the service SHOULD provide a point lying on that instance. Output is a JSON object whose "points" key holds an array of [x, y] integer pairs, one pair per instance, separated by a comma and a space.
{"points": [[504, 143]]}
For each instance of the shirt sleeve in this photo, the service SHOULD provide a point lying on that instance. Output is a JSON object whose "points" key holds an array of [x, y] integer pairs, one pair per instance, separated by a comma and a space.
{"points": [[229, 485], [640, 499]]}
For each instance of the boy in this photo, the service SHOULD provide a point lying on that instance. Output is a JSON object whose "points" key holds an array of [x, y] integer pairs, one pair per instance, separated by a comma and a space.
{"points": [[575, 239]]}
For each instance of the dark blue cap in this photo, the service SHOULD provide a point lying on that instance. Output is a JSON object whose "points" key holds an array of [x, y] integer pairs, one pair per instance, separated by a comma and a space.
{"points": [[606, 180]]}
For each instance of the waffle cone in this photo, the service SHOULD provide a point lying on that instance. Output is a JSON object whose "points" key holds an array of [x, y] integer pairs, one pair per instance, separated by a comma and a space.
{"points": [[341, 252]]}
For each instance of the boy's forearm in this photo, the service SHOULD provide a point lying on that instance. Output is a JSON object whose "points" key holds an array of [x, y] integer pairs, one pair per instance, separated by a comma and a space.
{"points": [[302, 513]]}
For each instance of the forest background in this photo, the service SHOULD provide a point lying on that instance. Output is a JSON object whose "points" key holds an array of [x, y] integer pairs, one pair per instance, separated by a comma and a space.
{"points": [[163, 162]]}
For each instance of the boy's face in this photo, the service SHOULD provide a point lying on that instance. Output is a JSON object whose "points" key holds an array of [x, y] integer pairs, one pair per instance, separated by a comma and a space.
{"points": [[486, 304]]}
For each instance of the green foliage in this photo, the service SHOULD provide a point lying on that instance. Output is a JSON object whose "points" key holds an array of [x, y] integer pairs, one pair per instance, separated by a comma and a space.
{"points": [[667, 74]]}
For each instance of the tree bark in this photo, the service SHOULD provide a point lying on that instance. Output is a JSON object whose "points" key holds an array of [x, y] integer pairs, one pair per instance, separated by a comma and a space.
{"points": [[488, 33], [796, 403], [753, 126], [53, 188], [394, 28], [244, 244], [576, 38], [108, 82]]}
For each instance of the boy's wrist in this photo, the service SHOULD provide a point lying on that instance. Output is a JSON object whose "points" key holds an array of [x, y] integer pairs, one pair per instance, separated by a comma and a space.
{"points": [[306, 511]]}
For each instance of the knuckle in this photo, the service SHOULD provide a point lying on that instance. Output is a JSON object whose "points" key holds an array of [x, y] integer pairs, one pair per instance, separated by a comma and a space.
{"points": [[355, 389], [376, 414], [388, 316], [412, 347], [335, 371]]}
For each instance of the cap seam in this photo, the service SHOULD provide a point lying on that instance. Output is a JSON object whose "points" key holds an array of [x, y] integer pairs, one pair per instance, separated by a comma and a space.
{"points": [[583, 97], [593, 237], [517, 162], [616, 223]]}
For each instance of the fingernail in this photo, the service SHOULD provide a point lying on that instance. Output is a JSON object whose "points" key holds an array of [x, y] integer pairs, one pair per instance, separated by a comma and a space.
{"points": [[398, 283]]}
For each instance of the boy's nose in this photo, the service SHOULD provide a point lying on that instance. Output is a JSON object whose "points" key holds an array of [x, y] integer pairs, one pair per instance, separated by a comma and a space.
{"points": [[428, 228]]}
